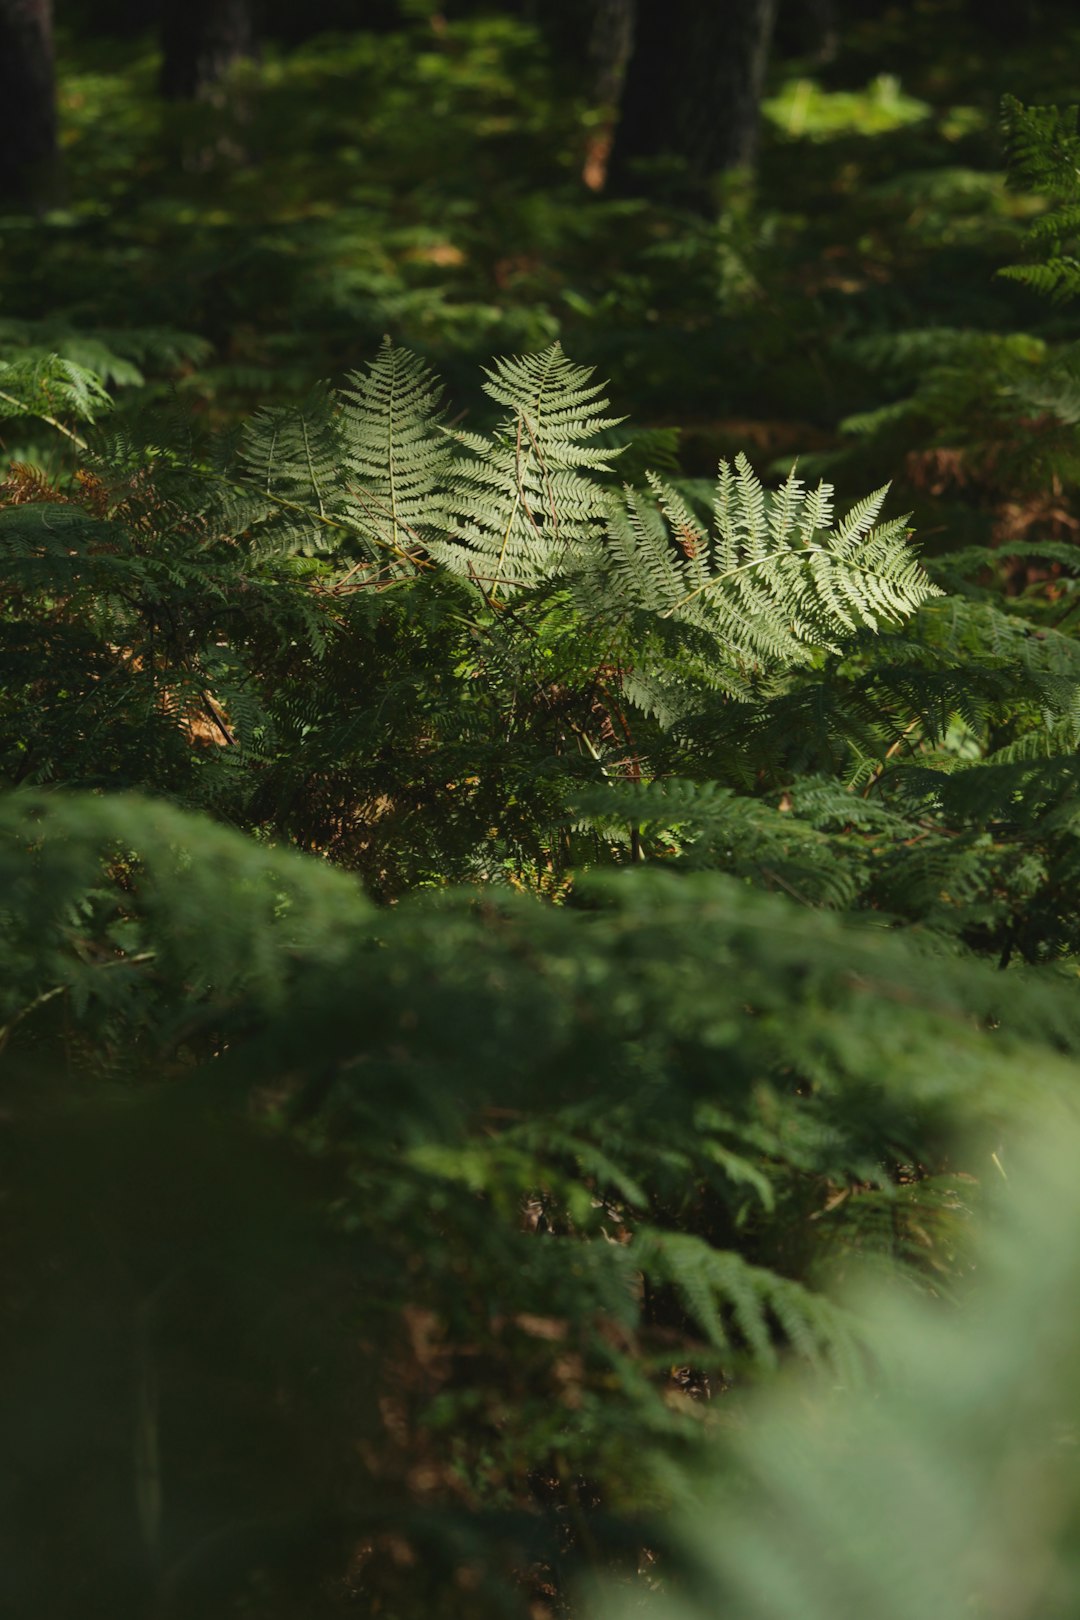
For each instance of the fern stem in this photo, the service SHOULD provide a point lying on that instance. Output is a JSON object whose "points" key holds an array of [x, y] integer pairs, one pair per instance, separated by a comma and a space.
{"points": [[390, 467], [6, 1030], [513, 514], [761, 562], [68, 433], [311, 466], [519, 496]]}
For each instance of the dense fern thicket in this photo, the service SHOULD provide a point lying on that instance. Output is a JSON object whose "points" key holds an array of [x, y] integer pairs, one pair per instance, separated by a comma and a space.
{"points": [[440, 1237], [433, 654], [500, 932], [484, 1203]]}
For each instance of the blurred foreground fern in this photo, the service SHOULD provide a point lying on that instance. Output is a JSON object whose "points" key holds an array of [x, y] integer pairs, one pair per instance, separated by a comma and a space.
{"points": [[952, 1489], [443, 1227]]}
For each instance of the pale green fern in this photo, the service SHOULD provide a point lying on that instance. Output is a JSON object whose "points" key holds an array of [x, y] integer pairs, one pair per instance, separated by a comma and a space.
{"points": [[370, 476], [362, 472], [524, 503], [771, 582], [396, 454]]}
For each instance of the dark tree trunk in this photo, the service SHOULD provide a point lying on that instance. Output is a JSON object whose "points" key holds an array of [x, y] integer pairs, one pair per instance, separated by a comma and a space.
{"points": [[200, 41], [693, 86], [1010, 21], [27, 102], [610, 49], [611, 46], [291, 24], [808, 28]]}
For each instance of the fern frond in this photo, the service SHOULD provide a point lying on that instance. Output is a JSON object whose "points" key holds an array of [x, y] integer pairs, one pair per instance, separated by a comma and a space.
{"points": [[1043, 145], [771, 586], [395, 452], [523, 505], [713, 828], [818, 1501], [294, 457], [48, 387], [739, 1306]]}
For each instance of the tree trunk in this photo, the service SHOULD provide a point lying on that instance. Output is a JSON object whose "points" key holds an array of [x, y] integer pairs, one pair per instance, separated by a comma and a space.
{"points": [[291, 24], [200, 41], [27, 102], [1010, 21], [808, 29], [693, 87], [610, 48]]}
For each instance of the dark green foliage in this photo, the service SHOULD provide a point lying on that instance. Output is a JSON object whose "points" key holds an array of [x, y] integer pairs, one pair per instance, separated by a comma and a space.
{"points": [[508, 624], [501, 920], [1044, 146], [459, 1221], [542, 1169]]}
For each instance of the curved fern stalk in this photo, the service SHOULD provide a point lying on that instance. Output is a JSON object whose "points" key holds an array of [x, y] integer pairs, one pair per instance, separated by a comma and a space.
{"points": [[43, 386], [773, 583], [523, 507]]}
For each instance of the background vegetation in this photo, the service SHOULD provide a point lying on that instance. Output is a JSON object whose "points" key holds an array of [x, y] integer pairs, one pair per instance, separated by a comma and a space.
{"points": [[536, 972]]}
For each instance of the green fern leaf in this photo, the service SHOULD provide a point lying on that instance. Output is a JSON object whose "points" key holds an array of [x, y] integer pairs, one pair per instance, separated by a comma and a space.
{"points": [[524, 504], [772, 586]]}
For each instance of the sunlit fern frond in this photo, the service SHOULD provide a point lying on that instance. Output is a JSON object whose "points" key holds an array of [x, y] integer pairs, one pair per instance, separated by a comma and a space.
{"points": [[771, 583], [395, 452], [525, 504]]}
